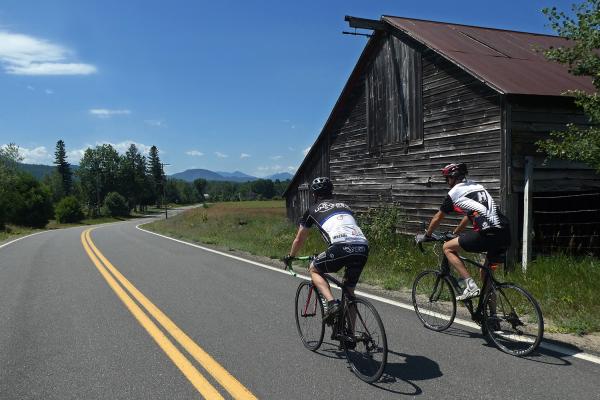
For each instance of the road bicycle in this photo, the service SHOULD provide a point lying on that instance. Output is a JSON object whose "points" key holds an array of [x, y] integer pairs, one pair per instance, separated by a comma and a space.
{"points": [[357, 326], [508, 315]]}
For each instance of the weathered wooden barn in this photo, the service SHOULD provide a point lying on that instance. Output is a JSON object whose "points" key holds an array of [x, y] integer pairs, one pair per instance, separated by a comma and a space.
{"points": [[424, 94]]}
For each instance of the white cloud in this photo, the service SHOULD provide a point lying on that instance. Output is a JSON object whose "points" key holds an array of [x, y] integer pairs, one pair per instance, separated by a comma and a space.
{"points": [[155, 122], [244, 155], [74, 156], [106, 113], [221, 155], [306, 150], [37, 155], [291, 149], [195, 153], [26, 55], [29, 87], [122, 147], [49, 91], [274, 169], [275, 158]]}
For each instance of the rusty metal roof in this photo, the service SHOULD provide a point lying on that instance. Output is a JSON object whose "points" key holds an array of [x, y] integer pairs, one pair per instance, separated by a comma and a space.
{"points": [[509, 61]]}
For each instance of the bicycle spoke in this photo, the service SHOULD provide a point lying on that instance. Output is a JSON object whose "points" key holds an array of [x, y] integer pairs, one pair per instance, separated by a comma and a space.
{"points": [[514, 320], [366, 348], [434, 300], [309, 316]]}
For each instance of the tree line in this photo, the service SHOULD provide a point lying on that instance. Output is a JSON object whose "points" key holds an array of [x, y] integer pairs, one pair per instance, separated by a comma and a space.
{"points": [[107, 183]]}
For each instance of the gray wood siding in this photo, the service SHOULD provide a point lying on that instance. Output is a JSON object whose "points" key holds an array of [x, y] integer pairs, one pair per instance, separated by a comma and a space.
{"points": [[317, 165], [532, 119], [461, 122], [394, 91]]}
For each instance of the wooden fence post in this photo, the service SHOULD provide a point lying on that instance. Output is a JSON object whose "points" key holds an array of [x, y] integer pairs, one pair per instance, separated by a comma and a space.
{"points": [[527, 213]]}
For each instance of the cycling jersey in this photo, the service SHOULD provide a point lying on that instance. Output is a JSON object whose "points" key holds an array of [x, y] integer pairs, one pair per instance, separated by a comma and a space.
{"points": [[335, 221], [471, 199]]}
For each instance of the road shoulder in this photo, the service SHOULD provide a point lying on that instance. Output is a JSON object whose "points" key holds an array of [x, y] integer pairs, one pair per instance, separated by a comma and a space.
{"points": [[568, 343]]}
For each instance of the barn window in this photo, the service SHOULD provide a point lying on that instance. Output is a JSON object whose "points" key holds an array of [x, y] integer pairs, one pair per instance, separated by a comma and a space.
{"points": [[394, 101]]}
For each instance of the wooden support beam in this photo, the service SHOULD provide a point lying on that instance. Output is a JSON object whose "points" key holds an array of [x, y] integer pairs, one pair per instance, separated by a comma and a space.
{"points": [[364, 23], [527, 213]]}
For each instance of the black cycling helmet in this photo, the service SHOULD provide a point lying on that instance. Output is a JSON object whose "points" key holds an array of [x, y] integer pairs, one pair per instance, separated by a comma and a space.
{"points": [[321, 186], [455, 171]]}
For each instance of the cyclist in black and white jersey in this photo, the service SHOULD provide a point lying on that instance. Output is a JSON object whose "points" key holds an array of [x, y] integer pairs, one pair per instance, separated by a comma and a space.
{"points": [[347, 245], [491, 232]]}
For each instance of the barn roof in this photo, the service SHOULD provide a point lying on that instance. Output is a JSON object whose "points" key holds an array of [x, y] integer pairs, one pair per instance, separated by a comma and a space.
{"points": [[510, 62]]}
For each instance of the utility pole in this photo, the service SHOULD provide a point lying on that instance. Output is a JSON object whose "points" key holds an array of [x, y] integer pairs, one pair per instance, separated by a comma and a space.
{"points": [[162, 168]]}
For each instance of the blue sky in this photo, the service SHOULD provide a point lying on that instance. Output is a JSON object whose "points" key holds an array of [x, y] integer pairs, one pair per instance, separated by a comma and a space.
{"points": [[227, 85]]}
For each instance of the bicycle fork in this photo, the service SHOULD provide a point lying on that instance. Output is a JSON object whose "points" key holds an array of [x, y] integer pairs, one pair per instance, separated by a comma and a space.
{"points": [[307, 311]]}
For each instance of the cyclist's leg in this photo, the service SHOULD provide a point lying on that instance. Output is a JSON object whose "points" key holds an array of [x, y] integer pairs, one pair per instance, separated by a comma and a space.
{"points": [[469, 241], [317, 267], [451, 249], [354, 267]]}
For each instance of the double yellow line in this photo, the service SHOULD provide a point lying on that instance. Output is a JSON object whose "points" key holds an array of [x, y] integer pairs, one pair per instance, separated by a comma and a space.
{"points": [[127, 293]]}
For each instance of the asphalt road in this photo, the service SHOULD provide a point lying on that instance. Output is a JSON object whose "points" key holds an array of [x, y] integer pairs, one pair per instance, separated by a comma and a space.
{"points": [[123, 314]]}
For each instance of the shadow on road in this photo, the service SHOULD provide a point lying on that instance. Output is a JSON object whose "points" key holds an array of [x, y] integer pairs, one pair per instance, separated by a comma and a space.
{"points": [[541, 355], [401, 370]]}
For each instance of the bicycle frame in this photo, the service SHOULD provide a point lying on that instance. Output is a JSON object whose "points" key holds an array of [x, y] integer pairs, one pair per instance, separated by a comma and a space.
{"points": [[338, 325], [489, 283]]}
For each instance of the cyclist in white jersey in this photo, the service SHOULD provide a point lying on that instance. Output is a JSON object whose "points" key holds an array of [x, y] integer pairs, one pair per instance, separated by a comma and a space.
{"points": [[347, 245], [491, 232]]}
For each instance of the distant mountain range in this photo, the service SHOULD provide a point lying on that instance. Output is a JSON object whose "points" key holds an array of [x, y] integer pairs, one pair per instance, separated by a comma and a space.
{"points": [[237, 176], [39, 171]]}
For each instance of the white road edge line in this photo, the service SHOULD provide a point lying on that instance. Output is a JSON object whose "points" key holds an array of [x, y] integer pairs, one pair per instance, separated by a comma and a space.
{"points": [[23, 237], [548, 346]]}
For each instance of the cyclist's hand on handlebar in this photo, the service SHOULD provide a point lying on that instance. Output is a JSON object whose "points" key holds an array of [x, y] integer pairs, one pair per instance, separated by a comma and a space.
{"points": [[287, 260]]}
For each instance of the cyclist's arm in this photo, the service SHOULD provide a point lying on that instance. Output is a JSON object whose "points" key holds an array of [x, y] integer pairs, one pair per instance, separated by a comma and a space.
{"points": [[299, 240], [435, 221], [461, 227]]}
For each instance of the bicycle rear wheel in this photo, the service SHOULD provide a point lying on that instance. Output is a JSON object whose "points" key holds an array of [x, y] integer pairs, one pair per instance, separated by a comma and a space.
{"points": [[309, 316], [434, 300], [364, 340], [513, 319]]}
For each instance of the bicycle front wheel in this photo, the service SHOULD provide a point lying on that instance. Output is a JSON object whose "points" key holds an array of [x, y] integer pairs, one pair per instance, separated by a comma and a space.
{"points": [[309, 316], [434, 300], [364, 340], [513, 319]]}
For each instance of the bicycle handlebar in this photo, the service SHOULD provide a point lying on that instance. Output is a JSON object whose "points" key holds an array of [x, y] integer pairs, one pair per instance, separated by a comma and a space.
{"points": [[435, 237], [287, 261]]}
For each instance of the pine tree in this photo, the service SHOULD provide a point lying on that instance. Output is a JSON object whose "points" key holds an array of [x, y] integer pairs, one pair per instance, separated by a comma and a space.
{"points": [[156, 174], [63, 167]]}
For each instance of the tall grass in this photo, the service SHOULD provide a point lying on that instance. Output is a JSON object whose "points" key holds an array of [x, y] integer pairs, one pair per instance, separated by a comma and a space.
{"points": [[565, 287]]}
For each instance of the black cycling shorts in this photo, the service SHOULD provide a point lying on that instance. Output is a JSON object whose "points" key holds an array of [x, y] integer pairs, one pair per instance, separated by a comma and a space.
{"points": [[494, 242], [339, 255]]}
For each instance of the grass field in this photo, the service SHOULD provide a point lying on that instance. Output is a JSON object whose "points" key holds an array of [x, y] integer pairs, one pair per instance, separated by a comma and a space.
{"points": [[565, 287], [16, 231], [13, 231]]}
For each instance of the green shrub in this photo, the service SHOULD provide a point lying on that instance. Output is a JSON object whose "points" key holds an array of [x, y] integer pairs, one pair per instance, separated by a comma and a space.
{"points": [[379, 225], [115, 205], [68, 210], [30, 203]]}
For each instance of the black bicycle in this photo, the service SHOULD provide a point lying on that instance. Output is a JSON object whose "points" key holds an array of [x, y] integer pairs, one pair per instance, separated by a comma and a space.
{"points": [[508, 315], [357, 326]]}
